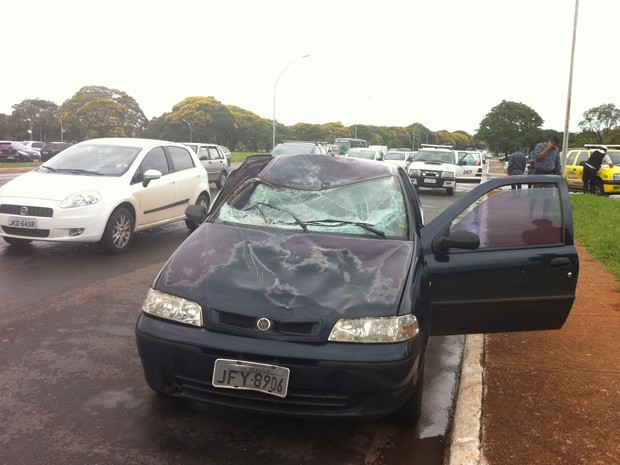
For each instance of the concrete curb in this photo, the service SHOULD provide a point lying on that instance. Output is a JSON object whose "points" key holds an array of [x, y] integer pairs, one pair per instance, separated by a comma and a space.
{"points": [[465, 446]]}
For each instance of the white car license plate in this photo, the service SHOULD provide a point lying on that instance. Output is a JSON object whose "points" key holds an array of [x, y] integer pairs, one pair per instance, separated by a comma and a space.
{"points": [[238, 374], [22, 222], [430, 180]]}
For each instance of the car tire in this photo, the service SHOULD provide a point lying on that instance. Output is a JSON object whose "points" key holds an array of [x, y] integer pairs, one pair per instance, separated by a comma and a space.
{"points": [[599, 188], [118, 232], [450, 191], [16, 241], [221, 180], [203, 200], [408, 415]]}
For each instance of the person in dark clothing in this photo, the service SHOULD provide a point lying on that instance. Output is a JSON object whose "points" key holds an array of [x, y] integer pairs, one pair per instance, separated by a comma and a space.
{"points": [[516, 166], [591, 168]]}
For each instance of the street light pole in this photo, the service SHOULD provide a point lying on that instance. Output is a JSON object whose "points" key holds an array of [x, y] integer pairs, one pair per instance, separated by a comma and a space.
{"points": [[30, 127], [61, 130], [570, 88], [190, 129], [274, 96]]}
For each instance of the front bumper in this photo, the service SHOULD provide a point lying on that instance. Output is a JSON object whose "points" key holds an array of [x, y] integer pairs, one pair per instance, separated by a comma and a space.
{"points": [[82, 224], [434, 182], [326, 380]]}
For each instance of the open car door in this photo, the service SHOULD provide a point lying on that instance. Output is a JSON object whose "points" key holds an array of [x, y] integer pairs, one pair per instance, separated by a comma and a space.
{"points": [[503, 259]]}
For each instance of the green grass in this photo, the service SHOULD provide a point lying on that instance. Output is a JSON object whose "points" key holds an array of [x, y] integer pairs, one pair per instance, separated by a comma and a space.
{"points": [[238, 157], [19, 165], [597, 226]]}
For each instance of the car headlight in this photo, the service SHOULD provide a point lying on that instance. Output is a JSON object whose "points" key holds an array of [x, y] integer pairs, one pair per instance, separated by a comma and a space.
{"points": [[81, 199], [614, 177], [171, 307], [414, 173], [375, 330], [447, 174]]}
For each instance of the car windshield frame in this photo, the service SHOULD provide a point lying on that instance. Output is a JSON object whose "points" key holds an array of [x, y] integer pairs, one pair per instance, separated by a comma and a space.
{"points": [[101, 159]]}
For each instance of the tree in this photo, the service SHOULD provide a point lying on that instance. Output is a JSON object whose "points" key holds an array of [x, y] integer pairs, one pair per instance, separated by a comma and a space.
{"points": [[96, 111], [250, 131], [35, 114], [208, 119], [510, 125], [598, 121]]}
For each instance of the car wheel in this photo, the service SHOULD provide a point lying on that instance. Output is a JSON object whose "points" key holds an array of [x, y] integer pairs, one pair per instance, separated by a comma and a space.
{"points": [[118, 233], [599, 189], [450, 191], [16, 242], [202, 200], [409, 414], [221, 180]]}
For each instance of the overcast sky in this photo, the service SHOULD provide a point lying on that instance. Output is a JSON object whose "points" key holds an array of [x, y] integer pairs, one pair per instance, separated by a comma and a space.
{"points": [[442, 63]]}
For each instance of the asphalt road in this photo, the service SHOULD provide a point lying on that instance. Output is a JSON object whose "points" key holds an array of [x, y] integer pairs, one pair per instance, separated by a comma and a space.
{"points": [[73, 391]]}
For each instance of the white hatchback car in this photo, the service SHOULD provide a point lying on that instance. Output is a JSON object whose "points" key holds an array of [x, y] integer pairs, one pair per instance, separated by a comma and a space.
{"points": [[103, 190]]}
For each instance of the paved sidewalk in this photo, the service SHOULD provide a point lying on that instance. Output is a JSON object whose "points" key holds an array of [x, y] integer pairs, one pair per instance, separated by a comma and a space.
{"points": [[548, 397]]}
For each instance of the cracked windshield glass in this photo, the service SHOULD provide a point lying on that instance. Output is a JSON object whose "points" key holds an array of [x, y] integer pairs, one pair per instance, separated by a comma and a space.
{"points": [[374, 208]]}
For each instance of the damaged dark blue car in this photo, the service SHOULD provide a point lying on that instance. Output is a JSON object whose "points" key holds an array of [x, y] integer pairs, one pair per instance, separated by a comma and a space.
{"points": [[312, 285]]}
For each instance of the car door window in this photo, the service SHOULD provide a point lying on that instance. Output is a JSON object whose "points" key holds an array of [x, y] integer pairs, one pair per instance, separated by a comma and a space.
{"points": [[570, 161], [154, 160], [507, 218], [214, 154], [181, 158], [583, 157], [203, 152]]}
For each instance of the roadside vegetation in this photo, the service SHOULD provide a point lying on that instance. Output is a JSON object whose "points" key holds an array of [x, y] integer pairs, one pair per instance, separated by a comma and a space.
{"points": [[596, 221]]}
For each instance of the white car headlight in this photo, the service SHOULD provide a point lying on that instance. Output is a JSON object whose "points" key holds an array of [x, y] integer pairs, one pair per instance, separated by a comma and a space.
{"points": [[414, 173], [447, 174], [81, 199], [375, 330], [614, 177], [171, 307]]}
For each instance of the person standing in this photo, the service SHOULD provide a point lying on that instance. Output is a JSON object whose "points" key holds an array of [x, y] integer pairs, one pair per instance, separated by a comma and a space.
{"points": [[547, 157], [516, 166], [546, 161], [591, 168]]}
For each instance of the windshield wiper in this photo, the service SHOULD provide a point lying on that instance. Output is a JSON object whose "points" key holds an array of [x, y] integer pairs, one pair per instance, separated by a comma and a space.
{"points": [[335, 223], [48, 168], [297, 220], [79, 171]]}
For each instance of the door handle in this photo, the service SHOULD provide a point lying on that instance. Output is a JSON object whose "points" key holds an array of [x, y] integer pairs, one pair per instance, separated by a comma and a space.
{"points": [[561, 262]]}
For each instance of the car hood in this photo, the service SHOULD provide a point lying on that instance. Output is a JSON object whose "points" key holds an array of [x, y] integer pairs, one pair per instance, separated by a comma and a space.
{"points": [[51, 186], [431, 165], [305, 276]]}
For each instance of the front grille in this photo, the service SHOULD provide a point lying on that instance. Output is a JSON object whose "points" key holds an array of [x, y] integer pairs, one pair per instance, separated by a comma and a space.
{"points": [[296, 400], [279, 329], [431, 174], [26, 232], [32, 211]]}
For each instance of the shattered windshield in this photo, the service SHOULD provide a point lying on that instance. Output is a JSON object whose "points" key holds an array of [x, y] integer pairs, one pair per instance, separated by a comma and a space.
{"points": [[374, 208]]}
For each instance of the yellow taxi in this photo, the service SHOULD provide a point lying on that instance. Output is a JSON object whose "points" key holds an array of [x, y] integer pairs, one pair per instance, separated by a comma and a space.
{"points": [[608, 179]]}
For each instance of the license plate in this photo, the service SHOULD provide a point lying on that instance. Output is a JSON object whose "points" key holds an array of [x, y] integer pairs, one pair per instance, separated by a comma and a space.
{"points": [[430, 180], [238, 374], [22, 222]]}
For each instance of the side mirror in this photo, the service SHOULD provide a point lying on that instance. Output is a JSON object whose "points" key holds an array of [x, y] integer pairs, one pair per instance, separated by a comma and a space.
{"points": [[457, 240], [149, 176], [196, 213]]}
